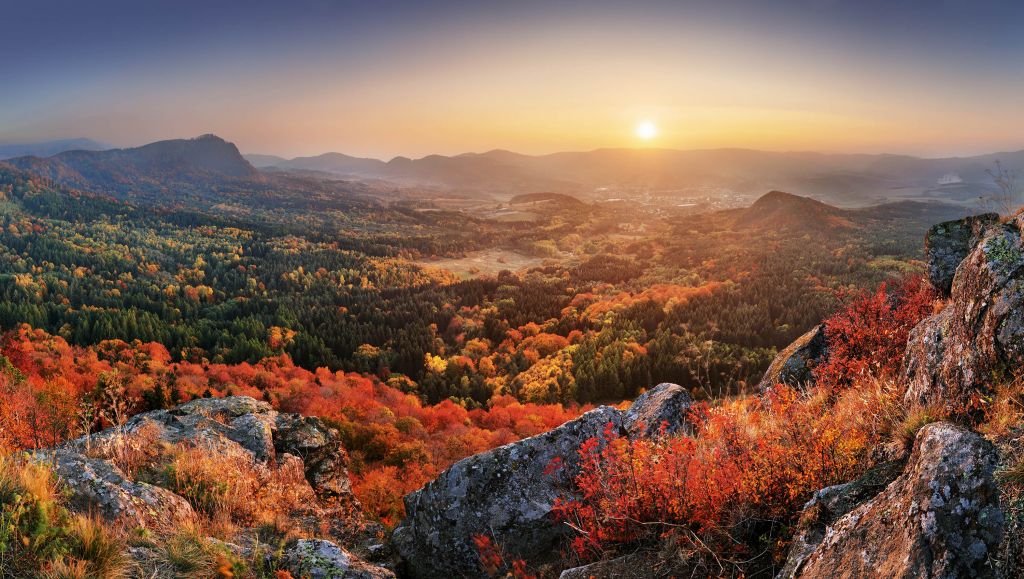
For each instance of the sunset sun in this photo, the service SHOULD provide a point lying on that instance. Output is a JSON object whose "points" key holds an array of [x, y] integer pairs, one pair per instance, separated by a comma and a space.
{"points": [[646, 130]]}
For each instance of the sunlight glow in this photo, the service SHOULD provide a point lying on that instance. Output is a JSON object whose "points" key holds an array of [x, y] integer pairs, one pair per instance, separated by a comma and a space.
{"points": [[646, 130]]}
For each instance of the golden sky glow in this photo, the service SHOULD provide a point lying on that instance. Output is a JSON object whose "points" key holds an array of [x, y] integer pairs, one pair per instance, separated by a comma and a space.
{"points": [[805, 75]]}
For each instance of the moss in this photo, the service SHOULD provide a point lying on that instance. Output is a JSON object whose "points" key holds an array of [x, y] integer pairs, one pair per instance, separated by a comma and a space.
{"points": [[1004, 254]]}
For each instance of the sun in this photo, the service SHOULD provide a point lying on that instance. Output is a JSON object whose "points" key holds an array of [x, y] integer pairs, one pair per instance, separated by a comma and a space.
{"points": [[646, 130]]}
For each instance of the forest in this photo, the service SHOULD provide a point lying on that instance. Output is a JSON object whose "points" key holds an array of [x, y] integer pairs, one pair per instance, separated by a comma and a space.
{"points": [[624, 299]]}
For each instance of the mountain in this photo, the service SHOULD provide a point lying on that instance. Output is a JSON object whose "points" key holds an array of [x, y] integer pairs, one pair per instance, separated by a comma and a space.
{"points": [[781, 210], [48, 148], [202, 163], [843, 179]]}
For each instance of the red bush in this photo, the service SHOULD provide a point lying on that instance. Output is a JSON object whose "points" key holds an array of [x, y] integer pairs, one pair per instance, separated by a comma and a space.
{"points": [[869, 336]]}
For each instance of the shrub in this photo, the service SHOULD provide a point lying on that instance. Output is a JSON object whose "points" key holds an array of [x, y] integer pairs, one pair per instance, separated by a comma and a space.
{"points": [[868, 337], [729, 493]]}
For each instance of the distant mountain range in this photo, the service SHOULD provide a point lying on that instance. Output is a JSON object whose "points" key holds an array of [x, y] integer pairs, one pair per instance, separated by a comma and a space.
{"points": [[48, 148], [844, 179], [209, 165]]}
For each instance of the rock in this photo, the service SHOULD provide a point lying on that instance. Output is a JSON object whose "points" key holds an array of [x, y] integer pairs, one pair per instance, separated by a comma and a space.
{"points": [[795, 364], [324, 459], [830, 503], [96, 485], [504, 493], [953, 357], [947, 244], [939, 518], [664, 404], [236, 425], [319, 559], [640, 565]]}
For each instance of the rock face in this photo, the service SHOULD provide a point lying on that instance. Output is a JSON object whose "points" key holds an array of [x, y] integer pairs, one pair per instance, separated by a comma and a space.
{"points": [[664, 405], [948, 243], [319, 559], [940, 518], [98, 486], [954, 356], [218, 424], [640, 565], [504, 492], [828, 505], [794, 365]]}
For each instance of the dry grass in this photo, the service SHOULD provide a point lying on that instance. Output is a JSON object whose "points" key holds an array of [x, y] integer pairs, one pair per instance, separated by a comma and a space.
{"points": [[229, 488], [40, 537], [917, 417], [132, 452]]}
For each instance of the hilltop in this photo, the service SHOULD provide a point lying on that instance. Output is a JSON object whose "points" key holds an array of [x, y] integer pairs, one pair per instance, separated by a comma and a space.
{"points": [[157, 168]]}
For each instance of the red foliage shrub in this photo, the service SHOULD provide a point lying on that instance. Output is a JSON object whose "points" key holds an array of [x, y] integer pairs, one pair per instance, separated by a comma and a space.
{"points": [[869, 336], [733, 487]]}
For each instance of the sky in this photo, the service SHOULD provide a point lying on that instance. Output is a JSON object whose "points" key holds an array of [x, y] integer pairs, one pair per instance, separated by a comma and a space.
{"points": [[384, 78]]}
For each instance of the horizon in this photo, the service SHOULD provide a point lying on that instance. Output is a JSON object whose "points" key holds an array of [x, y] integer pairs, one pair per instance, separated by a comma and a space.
{"points": [[386, 159], [400, 79]]}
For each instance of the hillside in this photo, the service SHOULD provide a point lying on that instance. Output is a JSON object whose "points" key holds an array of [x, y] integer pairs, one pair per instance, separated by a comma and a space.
{"points": [[891, 452], [202, 163]]}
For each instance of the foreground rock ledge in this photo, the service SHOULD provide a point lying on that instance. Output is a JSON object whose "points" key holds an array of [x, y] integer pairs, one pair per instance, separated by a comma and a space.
{"points": [[503, 492], [508, 492], [940, 518]]}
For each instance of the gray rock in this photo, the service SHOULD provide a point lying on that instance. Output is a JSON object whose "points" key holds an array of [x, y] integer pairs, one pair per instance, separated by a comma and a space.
{"points": [[97, 486], [953, 357], [504, 493], [665, 404], [830, 503], [947, 244], [640, 565], [939, 519], [230, 425], [324, 459], [319, 559], [794, 365]]}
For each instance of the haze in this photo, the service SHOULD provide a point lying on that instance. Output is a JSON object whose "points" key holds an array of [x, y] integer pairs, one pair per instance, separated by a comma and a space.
{"points": [[395, 78]]}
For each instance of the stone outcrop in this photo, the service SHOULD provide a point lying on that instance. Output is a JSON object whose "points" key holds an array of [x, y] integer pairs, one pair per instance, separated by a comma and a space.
{"points": [[939, 518], [828, 505], [319, 559], [956, 355], [665, 405], [227, 424], [947, 244], [640, 565], [96, 485], [507, 493], [795, 364]]}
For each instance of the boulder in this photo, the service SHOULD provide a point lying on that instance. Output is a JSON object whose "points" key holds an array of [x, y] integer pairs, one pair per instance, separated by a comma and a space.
{"points": [[830, 503], [947, 244], [97, 486], [324, 460], [319, 559], [233, 425], [639, 565], [795, 364], [953, 357], [506, 493], [664, 405], [939, 518]]}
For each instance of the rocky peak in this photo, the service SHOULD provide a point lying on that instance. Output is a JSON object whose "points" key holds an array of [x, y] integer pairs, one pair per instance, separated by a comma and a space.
{"points": [[953, 357], [948, 243]]}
